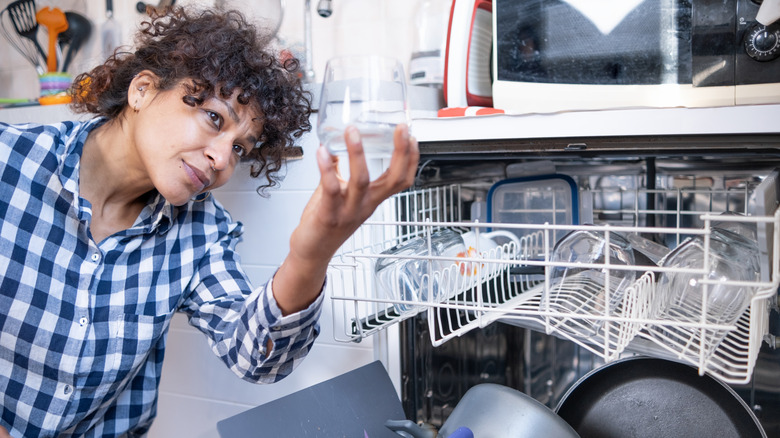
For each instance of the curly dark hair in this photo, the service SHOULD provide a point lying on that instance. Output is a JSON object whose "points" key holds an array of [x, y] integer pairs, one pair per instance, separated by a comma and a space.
{"points": [[219, 52]]}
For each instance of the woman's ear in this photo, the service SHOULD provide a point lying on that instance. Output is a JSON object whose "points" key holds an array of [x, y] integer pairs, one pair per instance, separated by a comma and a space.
{"points": [[141, 88]]}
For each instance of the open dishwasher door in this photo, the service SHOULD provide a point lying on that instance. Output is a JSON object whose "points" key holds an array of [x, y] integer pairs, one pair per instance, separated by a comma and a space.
{"points": [[504, 318]]}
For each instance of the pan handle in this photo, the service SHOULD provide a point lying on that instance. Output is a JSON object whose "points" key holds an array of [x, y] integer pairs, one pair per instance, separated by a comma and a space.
{"points": [[410, 429]]}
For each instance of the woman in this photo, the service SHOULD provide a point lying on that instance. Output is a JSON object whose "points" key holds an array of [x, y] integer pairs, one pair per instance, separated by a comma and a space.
{"points": [[107, 229]]}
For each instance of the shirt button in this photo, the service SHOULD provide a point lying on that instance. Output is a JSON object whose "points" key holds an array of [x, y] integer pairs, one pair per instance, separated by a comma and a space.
{"points": [[95, 257], [67, 389], [276, 329], [83, 321]]}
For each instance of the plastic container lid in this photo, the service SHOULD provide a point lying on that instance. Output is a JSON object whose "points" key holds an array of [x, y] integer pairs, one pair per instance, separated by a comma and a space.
{"points": [[536, 200]]}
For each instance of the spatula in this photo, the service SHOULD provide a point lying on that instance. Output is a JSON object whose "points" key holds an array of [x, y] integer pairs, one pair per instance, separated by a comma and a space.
{"points": [[56, 22], [22, 15]]}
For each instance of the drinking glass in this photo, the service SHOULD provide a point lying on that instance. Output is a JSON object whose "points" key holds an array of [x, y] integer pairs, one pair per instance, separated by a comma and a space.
{"points": [[582, 290], [732, 256], [368, 92], [403, 278]]}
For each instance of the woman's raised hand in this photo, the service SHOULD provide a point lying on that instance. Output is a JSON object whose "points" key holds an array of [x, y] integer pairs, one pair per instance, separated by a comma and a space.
{"points": [[337, 208]]}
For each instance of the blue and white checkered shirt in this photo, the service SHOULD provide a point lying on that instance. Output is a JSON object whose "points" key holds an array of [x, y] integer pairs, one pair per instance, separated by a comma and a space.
{"points": [[83, 324]]}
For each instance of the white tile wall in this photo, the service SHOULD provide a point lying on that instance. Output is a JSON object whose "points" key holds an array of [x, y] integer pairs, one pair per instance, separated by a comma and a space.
{"points": [[197, 390]]}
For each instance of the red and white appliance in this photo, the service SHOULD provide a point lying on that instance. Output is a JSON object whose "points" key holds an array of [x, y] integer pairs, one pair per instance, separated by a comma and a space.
{"points": [[467, 72]]}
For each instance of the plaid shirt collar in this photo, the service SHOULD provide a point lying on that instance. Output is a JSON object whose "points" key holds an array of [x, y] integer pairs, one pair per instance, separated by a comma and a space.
{"points": [[158, 213]]}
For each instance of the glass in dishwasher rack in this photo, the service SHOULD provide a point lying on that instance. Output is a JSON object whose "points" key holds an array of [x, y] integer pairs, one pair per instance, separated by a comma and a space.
{"points": [[513, 281]]}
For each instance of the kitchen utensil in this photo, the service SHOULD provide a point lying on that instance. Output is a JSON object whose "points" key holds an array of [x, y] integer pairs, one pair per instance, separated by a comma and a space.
{"points": [[368, 92], [410, 429], [22, 14], [488, 410], [426, 66], [109, 32], [467, 77], [55, 22], [79, 29], [21, 44], [497, 411], [644, 397], [16, 102]]}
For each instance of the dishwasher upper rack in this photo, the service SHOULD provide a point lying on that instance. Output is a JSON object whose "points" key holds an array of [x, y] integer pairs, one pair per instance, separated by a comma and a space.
{"points": [[520, 298]]}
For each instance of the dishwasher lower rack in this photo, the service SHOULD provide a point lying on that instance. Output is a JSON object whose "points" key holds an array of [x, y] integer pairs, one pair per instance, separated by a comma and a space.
{"points": [[512, 284]]}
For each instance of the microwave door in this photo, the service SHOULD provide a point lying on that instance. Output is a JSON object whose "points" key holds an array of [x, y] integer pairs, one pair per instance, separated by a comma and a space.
{"points": [[554, 42], [556, 55]]}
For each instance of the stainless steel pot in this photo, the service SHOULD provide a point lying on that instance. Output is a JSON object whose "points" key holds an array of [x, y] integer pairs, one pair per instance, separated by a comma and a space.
{"points": [[496, 411]]}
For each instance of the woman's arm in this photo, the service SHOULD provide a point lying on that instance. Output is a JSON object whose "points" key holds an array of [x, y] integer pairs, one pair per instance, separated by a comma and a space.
{"points": [[335, 211]]}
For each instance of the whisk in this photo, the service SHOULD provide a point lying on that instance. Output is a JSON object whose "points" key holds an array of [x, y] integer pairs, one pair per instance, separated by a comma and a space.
{"points": [[24, 46]]}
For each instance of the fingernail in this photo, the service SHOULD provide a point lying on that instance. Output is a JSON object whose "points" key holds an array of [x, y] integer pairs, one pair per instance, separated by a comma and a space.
{"points": [[406, 132], [354, 135]]}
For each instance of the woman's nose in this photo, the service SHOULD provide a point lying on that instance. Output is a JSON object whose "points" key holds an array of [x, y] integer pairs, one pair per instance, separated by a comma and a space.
{"points": [[218, 153]]}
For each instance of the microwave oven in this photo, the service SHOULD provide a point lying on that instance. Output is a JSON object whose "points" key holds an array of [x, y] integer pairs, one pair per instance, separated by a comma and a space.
{"points": [[560, 55]]}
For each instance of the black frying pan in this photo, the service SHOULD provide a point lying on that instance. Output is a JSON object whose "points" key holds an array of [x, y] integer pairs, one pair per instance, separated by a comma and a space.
{"points": [[643, 397]]}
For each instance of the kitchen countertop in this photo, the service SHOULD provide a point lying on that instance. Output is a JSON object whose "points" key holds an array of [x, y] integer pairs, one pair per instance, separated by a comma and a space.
{"points": [[748, 119], [633, 122], [39, 114]]}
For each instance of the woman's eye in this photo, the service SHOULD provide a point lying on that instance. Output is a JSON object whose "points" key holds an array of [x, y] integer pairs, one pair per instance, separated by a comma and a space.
{"points": [[239, 150], [215, 118]]}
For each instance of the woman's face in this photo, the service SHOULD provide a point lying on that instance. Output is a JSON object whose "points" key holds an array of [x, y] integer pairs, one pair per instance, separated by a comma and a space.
{"points": [[188, 150]]}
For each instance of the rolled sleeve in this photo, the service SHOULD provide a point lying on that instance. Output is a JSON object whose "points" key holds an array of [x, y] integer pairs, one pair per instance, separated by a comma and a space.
{"points": [[291, 337]]}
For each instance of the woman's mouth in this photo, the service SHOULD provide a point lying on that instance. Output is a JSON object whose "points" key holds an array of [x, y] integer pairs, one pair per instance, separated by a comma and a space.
{"points": [[198, 179]]}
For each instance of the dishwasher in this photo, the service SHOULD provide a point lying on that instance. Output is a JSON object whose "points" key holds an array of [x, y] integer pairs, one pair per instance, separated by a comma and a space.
{"points": [[501, 314]]}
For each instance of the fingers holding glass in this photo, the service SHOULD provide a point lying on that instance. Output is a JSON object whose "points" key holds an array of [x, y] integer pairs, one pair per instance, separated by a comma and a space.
{"points": [[369, 93]]}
